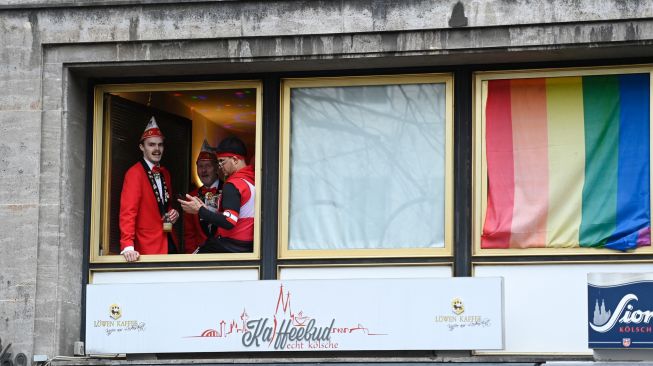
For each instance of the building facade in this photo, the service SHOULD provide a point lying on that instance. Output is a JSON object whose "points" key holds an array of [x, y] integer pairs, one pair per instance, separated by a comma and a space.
{"points": [[62, 59]]}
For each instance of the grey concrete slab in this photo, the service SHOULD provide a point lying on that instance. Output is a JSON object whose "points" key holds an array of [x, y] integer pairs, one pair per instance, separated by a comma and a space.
{"points": [[18, 275], [279, 18], [48, 248], [20, 94], [70, 219], [46, 323], [68, 329], [18, 190], [357, 16], [44, 330], [52, 89], [325, 47], [68, 53], [50, 168], [85, 25], [46, 303], [218, 20], [20, 32]]}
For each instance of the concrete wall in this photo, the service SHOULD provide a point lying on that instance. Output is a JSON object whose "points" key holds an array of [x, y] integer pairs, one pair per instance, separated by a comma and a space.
{"points": [[50, 48]]}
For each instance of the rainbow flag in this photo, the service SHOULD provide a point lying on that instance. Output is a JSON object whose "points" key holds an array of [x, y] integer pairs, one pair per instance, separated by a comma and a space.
{"points": [[568, 162]]}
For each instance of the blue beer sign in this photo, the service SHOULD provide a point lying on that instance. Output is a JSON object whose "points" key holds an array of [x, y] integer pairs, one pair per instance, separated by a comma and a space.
{"points": [[620, 310]]}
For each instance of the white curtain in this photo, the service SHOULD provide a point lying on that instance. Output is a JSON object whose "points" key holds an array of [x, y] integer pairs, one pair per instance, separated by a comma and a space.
{"points": [[367, 167]]}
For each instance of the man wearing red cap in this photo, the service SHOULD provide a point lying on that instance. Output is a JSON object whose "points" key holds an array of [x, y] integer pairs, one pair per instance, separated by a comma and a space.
{"points": [[145, 215], [235, 219], [196, 230]]}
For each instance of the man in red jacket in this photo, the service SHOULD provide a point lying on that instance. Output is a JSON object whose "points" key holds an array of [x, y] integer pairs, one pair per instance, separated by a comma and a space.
{"points": [[196, 231], [145, 215], [235, 219]]}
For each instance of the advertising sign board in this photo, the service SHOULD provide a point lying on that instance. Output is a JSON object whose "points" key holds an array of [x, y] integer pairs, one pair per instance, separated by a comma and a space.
{"points": [[620, 309], [297, 315]]}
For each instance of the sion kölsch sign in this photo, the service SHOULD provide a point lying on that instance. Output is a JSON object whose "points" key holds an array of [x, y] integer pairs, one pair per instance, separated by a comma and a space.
{"points": [[620, 310]]}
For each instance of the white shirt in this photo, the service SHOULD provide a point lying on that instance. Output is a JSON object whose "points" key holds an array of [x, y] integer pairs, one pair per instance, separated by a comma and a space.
{"points": [[158, 180]]}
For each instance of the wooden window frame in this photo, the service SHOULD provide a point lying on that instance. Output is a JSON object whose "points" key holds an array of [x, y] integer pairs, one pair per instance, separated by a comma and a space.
{"points": [[479, 159], [284, 252], [101, 170]]}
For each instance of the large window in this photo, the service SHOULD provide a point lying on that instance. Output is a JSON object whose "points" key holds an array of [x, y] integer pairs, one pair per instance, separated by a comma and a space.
{"points": [[366, 167], [190, 116], [563, 162]]}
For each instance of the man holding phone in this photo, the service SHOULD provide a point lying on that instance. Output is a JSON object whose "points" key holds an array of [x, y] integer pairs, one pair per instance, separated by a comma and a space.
{"points": [[235, 216], [197, 230], [146, 217]]}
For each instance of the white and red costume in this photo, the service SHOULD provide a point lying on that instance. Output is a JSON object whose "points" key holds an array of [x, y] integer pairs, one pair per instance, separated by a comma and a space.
{"points": [[243, 229], [235, 218]]}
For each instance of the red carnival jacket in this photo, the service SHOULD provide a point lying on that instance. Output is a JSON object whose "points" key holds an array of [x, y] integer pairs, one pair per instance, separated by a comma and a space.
{"points": [[140, 218]]}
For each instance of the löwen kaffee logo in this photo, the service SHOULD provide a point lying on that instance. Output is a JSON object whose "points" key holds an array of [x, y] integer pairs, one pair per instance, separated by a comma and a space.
{"points": [[115, 325], [458, 320], [285, 329]]}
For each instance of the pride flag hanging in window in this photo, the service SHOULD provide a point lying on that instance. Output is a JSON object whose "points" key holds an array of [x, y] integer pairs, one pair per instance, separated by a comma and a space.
{"points": [[568, 162]]}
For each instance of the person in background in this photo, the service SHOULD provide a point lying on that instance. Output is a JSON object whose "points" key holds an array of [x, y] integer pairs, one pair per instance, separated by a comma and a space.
{"points": [[197, 230], [146, 217], [235, 216]]}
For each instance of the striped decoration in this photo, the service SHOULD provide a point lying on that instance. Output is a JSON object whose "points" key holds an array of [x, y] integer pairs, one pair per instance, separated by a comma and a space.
{"points": [[568, 162]]}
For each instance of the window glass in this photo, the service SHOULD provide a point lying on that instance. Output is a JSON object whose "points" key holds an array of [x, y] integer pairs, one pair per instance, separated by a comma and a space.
{"points": [[367, 167], [190, 121]]}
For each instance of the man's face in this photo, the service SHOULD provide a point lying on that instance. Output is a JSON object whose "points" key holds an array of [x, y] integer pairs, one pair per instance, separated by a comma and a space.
{"points": [[227, 165], [207, 171], [152, 148]]}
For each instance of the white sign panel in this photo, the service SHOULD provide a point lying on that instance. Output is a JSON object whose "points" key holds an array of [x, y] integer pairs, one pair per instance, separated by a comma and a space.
{"points": [[296, 315]]}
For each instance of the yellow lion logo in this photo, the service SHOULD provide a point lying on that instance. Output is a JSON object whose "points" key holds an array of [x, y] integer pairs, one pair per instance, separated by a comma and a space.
{"points": [[114, 311], [457, 306]]}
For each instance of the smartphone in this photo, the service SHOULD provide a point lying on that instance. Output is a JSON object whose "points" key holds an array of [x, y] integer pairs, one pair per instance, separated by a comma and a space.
{"points": [[181, 196]]}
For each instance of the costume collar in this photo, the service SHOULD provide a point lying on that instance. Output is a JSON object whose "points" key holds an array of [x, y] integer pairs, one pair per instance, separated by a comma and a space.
{"points": [[149, 163]]}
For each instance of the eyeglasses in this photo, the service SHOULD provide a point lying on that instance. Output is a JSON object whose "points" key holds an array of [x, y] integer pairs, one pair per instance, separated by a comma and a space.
{"points": [[222, 162]]}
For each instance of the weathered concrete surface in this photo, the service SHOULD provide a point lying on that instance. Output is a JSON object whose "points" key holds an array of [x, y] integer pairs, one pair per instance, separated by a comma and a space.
{"points": [[289, 18], [43, 105], [264, 18]]}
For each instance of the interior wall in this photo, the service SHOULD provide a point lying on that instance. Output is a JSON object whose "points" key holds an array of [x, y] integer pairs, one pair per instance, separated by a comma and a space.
{"points": [[203, 127]]}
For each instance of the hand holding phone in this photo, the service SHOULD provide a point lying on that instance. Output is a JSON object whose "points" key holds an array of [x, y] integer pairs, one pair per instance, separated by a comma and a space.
{"points": [[190, 205]]}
